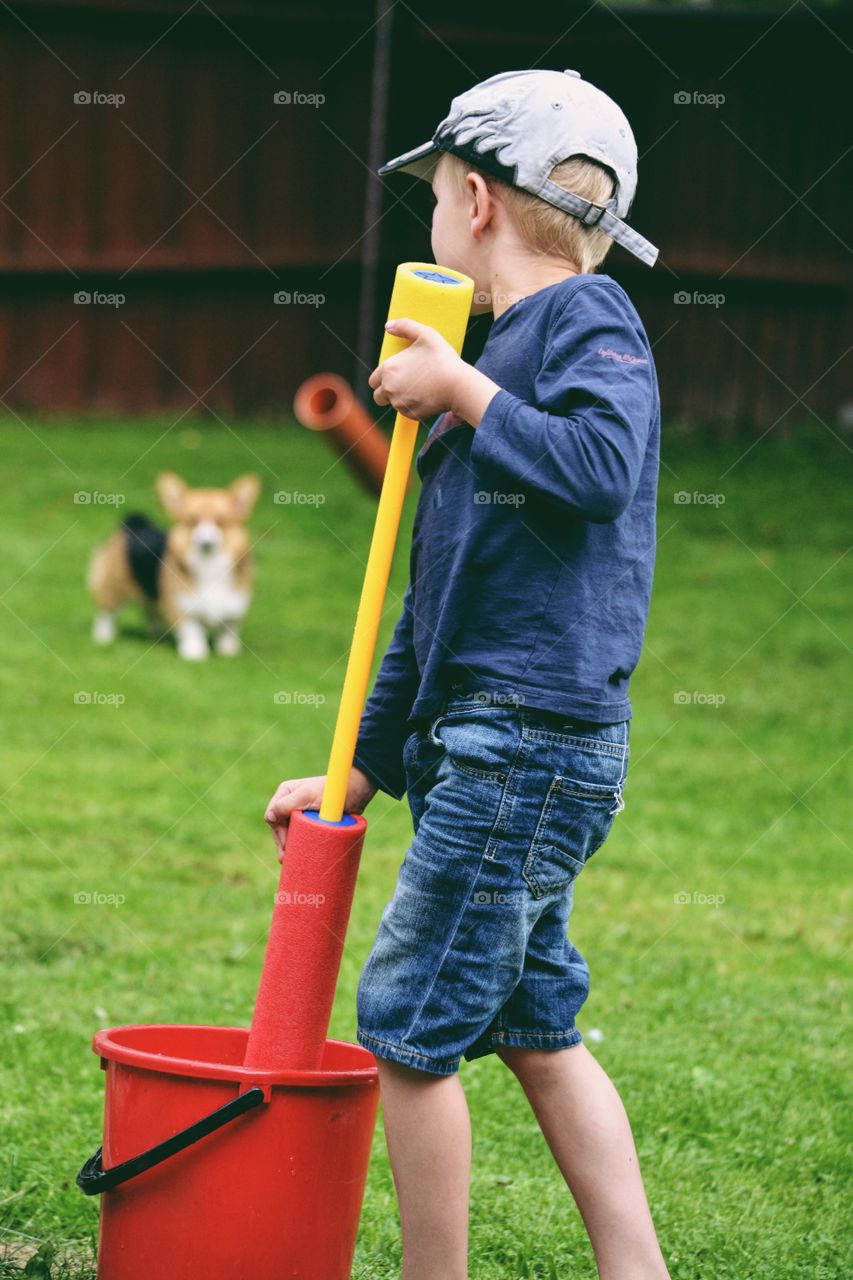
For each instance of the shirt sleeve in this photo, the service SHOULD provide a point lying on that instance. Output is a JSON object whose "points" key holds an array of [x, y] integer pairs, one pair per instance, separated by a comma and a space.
{"points": [[583, 441], [384, 723]]}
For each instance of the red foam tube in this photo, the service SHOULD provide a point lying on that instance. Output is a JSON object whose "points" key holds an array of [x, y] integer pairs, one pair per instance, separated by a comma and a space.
{"points": [[306, 942], [326, 403]]}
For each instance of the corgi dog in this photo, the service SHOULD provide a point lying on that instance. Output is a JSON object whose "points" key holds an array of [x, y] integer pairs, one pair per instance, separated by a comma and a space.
{"points": [[197, 576]]}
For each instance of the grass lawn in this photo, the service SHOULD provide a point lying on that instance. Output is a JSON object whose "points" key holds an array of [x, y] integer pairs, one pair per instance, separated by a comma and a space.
{"points": [[713, 920]]}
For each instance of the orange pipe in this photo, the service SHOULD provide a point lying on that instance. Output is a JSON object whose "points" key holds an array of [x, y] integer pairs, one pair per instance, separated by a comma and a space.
{"points": [[326, 402]]}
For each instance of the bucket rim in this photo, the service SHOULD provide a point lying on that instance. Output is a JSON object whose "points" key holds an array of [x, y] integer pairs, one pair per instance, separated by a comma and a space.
{"points": [[110, 1049]]}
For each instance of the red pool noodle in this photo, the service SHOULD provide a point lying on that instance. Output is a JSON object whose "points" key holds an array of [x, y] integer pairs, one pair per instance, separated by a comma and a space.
{"points": [[305, 944]]}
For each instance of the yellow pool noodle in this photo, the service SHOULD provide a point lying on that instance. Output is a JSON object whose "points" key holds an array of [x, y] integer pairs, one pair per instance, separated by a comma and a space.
{"points": [[441, 298]]}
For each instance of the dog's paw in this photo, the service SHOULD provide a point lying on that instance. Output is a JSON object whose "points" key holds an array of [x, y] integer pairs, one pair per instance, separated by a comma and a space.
{"points": [[192, 641], [193, 652], [228, 644], [104, 629]]}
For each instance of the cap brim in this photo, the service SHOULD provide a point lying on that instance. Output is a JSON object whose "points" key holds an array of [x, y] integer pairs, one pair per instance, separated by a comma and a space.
{"points": [[420, 162]]}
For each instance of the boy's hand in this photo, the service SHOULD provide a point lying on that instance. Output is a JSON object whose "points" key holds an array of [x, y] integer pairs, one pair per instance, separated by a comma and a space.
{"points": [[419, 381], [429, 377], [307, 793]]}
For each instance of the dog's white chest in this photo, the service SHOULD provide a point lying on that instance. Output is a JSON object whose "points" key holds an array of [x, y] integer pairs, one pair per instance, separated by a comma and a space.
{"points": [[214, 598]]}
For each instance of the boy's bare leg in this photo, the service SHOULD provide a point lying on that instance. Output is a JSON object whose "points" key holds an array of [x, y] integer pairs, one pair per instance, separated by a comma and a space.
{"points": [[428, 1133], [584, 1123]]}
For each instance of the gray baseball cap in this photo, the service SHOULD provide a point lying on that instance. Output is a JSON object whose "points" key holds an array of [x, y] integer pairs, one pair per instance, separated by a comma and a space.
{"points": [[518, 125]]}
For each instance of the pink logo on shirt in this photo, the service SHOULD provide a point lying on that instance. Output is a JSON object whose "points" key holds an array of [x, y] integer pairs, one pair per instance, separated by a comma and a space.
{"points": [[624, 357]]}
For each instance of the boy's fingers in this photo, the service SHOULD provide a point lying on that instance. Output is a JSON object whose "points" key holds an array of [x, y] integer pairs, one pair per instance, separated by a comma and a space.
{"points": [[278, 831], [405, 328], [299, 793], [279, 815], [279, 835], [290, 796], [283, 801]]}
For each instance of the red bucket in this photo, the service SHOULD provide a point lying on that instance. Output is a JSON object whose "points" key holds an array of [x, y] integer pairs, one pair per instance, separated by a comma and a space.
{"points": [[245, 1173]]}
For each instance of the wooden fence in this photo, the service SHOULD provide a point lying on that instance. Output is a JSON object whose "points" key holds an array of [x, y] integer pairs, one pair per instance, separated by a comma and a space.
{"points": [[199, 173]]}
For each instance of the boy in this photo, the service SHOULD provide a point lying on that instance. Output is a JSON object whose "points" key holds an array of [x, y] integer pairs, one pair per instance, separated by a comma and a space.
{"points": [[501, 706]]}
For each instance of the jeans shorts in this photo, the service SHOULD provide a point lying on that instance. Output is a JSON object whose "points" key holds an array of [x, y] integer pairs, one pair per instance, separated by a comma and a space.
{"points": [[472, 951]]}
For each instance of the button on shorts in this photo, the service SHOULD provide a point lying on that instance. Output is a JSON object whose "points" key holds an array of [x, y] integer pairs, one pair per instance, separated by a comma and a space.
{"points": [[472, 951]]}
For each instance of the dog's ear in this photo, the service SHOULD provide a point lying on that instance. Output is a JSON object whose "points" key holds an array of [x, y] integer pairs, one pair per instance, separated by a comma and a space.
{"points": [[245, 491], [171, 489]]}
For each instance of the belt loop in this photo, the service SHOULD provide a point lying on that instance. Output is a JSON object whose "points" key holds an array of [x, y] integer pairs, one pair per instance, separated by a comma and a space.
{"points": [[436, 742], [620, 803]]}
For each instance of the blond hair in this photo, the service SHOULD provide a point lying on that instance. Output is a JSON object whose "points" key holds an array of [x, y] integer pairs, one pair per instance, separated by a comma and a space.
{"points": [[542, 227]]}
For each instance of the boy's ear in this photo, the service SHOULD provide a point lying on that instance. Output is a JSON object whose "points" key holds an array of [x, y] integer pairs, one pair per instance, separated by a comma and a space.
{"points": [[171, 489], [245, 491], [482, 203]]}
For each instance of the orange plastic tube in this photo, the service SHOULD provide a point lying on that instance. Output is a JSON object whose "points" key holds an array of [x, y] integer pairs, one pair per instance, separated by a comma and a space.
{"points": [[326, 402]]}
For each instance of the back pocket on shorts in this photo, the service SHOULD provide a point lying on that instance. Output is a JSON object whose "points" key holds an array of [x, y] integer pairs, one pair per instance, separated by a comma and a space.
{"points": [[575, 821]]}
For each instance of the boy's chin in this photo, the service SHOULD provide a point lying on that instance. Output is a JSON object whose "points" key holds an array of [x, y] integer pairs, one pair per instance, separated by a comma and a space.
{"points": [[482, 302]]}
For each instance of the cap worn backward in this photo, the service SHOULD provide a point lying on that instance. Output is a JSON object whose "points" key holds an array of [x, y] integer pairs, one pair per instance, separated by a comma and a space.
{"points": [[519, 124]]}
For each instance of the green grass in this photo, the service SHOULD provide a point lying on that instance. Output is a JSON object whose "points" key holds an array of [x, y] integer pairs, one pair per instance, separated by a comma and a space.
{"points": [[721, 1021]]}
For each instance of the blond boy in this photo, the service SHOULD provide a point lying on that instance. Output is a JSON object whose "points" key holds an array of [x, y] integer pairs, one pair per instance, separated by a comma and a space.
{"points": [[501, 708]]}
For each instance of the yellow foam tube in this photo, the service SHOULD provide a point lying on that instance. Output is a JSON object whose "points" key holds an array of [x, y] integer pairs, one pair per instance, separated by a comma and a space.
{"points": [[441, 298]]}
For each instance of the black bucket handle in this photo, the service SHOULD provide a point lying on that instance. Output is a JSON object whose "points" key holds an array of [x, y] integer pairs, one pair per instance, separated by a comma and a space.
{"points": [[93, 1178]]}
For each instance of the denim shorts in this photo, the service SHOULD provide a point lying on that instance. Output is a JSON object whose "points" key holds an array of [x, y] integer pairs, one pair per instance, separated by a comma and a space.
{"points": [[472, 951]]}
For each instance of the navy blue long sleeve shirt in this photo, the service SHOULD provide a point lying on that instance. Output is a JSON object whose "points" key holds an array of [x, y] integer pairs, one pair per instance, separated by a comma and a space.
{"points": [[534, 537]]}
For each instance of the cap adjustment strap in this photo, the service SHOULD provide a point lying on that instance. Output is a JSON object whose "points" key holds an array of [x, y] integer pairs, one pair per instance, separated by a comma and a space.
{"points": [[595, 215]]}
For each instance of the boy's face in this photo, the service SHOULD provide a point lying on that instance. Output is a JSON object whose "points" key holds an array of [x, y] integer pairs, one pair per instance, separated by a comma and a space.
{"points": [[453, 245]]}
